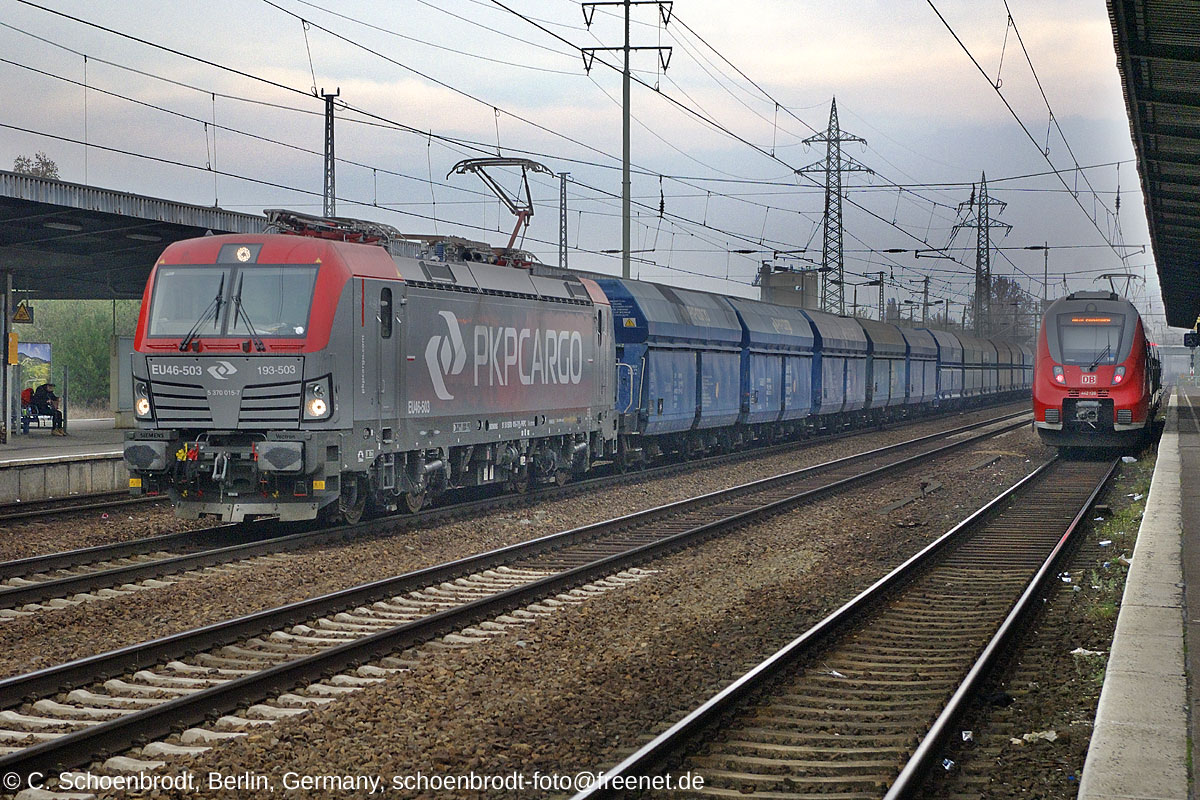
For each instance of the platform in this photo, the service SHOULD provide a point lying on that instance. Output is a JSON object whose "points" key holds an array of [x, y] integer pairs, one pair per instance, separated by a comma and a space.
{"points": [[38, 466], [85, 437], [1143, 727]]}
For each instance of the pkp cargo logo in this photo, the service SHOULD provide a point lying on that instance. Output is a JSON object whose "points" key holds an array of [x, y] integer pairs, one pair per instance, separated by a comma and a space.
{"points": [[222, 370], [445, 355]]}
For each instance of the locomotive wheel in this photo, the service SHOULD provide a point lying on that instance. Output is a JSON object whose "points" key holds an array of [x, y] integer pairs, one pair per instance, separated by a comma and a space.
{"points": [[562, 476], [414, 501], [518, 484], [352, 501]]}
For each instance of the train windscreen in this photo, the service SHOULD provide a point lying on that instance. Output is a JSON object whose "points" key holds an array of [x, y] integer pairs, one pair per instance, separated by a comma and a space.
{"points": [[1090, 340], [276, 300], [189, 299], [209, 300]]}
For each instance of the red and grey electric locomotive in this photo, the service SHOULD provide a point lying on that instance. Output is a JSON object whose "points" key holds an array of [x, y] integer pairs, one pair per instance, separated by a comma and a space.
{"points": [[1096, 376], [337, 365]]}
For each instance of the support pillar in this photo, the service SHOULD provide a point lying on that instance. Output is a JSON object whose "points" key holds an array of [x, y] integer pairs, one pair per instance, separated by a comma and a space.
{"points": [[6, 379]]}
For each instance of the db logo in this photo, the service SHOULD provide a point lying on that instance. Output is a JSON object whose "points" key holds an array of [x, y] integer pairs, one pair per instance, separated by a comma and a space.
{"points": [[1088, 379]]}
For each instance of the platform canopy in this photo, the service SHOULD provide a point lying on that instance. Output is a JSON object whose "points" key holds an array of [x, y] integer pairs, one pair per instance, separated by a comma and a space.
{"points": [[1158, 55], [66, 240]]}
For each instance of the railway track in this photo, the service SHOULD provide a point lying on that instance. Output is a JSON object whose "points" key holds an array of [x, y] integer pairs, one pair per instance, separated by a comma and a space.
{"points": [[16, 512], [67, 715], [860, 705], [30, 585]]}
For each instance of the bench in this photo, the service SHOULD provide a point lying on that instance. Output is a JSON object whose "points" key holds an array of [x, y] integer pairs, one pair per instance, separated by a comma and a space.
{"points": [[28, 419]]}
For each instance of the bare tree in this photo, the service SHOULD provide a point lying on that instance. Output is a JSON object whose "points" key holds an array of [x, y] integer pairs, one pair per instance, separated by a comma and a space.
{"points": [[40, 166]]}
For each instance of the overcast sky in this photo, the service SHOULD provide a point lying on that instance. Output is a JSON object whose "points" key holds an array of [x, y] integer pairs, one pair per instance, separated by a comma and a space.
{"points": [[228, 118]]}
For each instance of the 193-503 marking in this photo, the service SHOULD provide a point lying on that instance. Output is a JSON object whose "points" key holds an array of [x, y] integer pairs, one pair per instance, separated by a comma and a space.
{"points": [[277, 369]]}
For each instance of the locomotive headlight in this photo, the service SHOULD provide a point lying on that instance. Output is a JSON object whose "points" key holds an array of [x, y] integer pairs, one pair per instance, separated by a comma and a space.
{"points": [[317, 399], [1059, 376], [1118, 375], [141, 399]]}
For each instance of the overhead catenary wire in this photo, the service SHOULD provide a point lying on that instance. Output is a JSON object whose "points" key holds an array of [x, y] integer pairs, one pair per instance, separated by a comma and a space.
{"points": [[297, 189], [1012, 111], [456, 143], [423, 134], [717, 126]]}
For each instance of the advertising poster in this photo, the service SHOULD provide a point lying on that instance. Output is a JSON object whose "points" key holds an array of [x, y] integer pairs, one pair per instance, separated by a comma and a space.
{"points": [[34, 358]]}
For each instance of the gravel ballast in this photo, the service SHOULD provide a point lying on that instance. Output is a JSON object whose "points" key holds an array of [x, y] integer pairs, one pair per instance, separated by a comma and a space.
{"points": [[79, 529], [580, 689], [56, 636]]}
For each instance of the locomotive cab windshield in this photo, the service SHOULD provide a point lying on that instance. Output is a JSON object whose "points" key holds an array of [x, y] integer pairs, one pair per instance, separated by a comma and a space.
{"points": [[1088, 340], [221, 301]]}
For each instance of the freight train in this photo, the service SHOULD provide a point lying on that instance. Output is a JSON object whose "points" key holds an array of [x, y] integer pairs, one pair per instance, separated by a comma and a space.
{"points": [[334, 366], [1097, 378]]}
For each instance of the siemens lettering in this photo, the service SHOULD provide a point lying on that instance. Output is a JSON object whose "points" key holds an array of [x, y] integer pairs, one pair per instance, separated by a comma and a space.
{"points": [[539, 357]]}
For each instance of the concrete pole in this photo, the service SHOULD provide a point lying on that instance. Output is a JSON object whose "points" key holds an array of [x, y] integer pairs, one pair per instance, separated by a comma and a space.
{"points": [[1045, 275], [925, 303], [625, 190]]}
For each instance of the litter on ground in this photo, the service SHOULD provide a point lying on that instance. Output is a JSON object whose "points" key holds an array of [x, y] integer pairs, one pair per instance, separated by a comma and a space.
{"points": [[1083, 651]]}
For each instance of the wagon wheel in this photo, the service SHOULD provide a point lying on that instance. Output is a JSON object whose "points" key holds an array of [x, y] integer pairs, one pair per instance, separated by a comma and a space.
{"points": [[414, 501], [621, 458]]}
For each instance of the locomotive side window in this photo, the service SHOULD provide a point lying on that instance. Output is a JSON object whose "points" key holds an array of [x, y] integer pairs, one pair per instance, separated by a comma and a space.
{"points": [[385, 313]]}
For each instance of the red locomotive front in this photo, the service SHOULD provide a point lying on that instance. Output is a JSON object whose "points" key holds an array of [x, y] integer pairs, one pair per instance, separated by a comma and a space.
{"points": [[1096, 377], [338, 366]]}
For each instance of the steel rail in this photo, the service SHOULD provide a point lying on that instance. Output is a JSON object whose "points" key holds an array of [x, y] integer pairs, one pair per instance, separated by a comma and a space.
{"points": [[80, 746], [66, 559], [103, 665], [651, 756], [13, 511], [908, 782], [275, 542]]}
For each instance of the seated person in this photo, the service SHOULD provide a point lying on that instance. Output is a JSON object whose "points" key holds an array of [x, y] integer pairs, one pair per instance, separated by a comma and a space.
{"points": [[45, 401]]}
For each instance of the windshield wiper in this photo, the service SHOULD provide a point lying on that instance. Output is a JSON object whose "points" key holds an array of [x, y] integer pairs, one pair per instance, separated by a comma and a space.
{"points": [[1107, 349], [240, 313], [213, 310]]}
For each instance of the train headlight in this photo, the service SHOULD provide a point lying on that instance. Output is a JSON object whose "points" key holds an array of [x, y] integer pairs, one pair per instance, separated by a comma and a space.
{"points": [[318, 399], [1059, 376], [1118, 375], [141, 399]]}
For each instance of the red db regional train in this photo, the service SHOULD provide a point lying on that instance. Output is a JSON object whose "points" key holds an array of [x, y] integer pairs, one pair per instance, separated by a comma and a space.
{"points": [[1097, 379]]}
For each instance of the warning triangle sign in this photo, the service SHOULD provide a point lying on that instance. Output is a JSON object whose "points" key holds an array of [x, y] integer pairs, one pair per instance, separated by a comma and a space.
{"points": [[23, 313]]}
